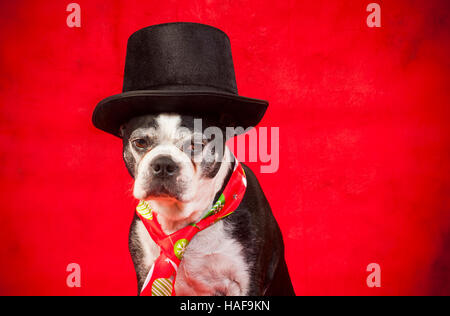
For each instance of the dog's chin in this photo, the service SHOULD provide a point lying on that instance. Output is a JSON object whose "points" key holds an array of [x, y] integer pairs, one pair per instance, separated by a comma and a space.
{"points": [[160, 194], [167, 205]]}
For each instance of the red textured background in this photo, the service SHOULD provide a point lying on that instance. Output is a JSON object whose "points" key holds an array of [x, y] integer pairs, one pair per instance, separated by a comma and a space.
{"points": [[364, 139]]}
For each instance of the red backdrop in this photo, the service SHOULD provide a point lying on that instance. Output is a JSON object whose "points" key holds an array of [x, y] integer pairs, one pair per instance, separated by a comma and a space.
{"points": [[364, 139]]}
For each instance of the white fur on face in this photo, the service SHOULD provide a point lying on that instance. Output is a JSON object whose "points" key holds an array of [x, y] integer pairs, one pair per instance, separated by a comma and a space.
{"points": [[178, 215], [196, 192], [143, 177]]}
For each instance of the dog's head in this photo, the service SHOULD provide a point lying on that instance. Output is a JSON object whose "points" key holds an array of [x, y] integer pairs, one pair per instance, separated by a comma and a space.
{"points": [[173, 160]]}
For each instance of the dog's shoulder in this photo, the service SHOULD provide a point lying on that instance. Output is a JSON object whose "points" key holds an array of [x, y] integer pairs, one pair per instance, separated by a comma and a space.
{"points": [[254, 193], [254, 226]]}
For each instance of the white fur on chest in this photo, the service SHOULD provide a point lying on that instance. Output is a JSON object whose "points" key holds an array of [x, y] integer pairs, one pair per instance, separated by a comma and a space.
{"points": [[213, 263]]}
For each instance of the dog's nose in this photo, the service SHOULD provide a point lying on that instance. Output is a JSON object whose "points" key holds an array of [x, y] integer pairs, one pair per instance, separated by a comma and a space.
{"points": [[164, 166]]}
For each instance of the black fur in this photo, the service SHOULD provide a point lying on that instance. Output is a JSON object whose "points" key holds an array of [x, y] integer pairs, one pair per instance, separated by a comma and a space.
{"points": [[137, 253]]}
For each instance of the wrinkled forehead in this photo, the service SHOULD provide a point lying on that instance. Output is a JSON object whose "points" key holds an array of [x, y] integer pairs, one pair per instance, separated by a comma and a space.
{"points": [[164, 127]]}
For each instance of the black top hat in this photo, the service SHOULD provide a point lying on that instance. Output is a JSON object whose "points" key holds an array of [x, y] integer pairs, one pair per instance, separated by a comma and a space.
{"points": [[185, 68]]}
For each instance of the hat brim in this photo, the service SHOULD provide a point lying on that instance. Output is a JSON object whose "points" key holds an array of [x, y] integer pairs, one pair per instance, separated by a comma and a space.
{"points": [[238, 111]]}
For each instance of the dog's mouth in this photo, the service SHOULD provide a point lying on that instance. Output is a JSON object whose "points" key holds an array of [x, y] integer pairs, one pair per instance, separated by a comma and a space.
{"points": [[163, 191]]}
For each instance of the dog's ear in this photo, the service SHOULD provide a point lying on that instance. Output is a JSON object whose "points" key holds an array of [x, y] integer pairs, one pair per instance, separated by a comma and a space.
{"points": [[225, 121], [122, 130]]}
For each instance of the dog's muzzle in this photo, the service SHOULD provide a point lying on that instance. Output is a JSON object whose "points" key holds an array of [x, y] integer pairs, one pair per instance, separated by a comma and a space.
{"points": [[160, 176]]}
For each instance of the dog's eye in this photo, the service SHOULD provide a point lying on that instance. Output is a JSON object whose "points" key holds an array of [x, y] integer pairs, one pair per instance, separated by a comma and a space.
{"points": [[140, 143], [197, 147]]}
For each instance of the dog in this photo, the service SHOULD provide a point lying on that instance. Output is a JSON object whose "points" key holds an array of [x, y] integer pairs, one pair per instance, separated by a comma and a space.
{"points": [[240, 255]]}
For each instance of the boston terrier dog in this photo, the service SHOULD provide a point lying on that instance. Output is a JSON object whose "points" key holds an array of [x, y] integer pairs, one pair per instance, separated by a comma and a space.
{"points": [[180, 172]]}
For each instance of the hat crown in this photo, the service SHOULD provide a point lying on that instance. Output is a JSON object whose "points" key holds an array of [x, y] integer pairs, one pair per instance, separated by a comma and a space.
{"points": [[179, 56]]}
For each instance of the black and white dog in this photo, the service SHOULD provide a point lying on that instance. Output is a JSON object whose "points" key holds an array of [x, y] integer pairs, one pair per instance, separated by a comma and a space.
{"points": [[242, 254]]}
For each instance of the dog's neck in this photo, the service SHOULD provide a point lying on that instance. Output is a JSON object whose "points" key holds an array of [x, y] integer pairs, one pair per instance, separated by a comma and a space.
{"points": [[209, 191]]}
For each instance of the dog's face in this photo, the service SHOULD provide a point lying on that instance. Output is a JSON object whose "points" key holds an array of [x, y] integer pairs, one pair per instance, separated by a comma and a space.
{"points": [[170, 159]]}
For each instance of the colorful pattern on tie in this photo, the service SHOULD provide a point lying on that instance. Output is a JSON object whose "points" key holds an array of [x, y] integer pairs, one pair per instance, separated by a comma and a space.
{"points": [[160, 280]]}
